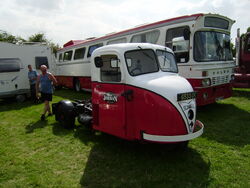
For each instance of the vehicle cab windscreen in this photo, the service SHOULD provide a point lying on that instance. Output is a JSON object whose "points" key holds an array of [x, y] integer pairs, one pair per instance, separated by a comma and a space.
{"points": [[166, 61], [141, 61], [212, 46]]}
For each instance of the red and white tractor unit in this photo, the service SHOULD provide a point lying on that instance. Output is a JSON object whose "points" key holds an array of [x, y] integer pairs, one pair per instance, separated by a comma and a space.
{"points": [[242, 71], [137, 94]]}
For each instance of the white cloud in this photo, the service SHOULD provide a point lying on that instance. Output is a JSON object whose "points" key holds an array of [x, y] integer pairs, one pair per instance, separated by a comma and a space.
{"points": [[63, 20]]}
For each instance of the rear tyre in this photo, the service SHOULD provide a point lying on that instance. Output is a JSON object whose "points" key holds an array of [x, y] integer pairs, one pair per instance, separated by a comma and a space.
{"points": [[77, 85]]}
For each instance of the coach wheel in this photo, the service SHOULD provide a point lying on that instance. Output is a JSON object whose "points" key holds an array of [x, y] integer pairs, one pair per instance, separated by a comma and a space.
{"points": [[58, 87], [77, 85]]}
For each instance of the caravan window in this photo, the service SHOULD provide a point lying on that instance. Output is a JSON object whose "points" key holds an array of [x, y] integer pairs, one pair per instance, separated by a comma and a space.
{"points": [[41, 61], [79, 53], [10, 64], [92, 48], [150, 37]]}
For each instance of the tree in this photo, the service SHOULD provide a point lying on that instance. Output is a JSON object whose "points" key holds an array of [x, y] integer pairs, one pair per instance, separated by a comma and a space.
{"points": [[54, 47], [248, 29], [232, 46], [7, 37], [38, 37]]}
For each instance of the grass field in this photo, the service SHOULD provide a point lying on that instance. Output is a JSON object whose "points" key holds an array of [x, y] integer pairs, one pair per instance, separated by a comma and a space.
{"points": [[42, 154]]}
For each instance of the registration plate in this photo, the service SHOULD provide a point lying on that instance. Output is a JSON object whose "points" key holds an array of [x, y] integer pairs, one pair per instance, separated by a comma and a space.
{"points": [[186, 96], [219, 98]]}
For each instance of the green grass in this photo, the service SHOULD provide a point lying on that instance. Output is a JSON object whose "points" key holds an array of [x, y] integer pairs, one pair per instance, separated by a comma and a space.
{"points": [[42, 154]]}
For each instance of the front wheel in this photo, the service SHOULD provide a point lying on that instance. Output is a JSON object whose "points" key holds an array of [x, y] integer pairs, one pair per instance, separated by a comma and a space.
{"points": [[182, 145]]}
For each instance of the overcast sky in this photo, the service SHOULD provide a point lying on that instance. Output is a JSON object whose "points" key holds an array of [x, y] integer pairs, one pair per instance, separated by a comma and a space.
{"points": [[64, 20]]}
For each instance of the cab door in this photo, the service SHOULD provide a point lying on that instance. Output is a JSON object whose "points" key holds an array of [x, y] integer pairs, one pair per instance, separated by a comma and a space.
{"points": [[108, 102]]}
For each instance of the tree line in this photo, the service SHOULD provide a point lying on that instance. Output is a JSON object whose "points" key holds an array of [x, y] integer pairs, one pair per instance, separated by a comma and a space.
{"points": [[38, 37]]}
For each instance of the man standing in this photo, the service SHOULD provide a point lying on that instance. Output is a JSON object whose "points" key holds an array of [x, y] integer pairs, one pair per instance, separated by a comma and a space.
{"points": [[46, 79], [32, 75]]}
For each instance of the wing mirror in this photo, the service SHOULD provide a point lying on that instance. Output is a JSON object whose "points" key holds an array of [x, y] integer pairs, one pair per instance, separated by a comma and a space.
{"points": [[98, 62]]}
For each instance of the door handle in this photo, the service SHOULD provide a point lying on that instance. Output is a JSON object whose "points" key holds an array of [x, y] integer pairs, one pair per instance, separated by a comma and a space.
{"points": [[128, 94]]}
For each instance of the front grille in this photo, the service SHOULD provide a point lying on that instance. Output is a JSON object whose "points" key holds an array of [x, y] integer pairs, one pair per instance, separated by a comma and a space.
{"points": [[220, 80]]}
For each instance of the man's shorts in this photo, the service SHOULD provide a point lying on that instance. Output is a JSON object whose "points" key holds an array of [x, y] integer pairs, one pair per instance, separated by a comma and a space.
{"points": [[46, 96]]}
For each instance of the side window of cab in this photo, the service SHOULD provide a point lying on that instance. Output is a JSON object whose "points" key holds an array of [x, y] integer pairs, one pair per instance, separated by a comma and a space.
{"points": [[110, 70]]}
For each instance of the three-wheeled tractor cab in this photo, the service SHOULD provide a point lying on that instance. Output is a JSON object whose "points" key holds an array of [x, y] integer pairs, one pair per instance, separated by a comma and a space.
{"points": [[242, 71], [137, 94]]}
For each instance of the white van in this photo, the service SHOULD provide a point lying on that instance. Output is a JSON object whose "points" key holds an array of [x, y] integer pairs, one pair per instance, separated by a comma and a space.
{"points": [[14, 59]]}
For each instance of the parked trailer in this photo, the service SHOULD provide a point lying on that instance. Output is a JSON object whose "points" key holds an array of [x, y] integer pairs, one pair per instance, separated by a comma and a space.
{"points": [[201, 43], [137, 94], [14, 60], [242, 71]]}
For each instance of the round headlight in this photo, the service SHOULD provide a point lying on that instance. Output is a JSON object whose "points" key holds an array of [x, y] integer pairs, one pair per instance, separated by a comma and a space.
{"points": [[206, 82], [190, 114]]}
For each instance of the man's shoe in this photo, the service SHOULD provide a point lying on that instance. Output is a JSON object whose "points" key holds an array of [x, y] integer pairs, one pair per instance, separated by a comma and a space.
{"points": [[42, 117]]}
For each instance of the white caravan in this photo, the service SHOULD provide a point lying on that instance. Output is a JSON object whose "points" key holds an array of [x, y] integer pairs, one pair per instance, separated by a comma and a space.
{"points": [[14, 59]]}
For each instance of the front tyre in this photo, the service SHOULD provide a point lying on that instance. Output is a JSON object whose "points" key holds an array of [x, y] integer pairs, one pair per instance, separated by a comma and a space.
{"points": [[182, 145]]}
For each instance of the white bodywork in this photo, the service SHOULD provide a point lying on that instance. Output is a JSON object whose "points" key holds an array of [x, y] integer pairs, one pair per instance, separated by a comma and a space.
{"points": [[218, 71], [16, 83], [74, 68]]}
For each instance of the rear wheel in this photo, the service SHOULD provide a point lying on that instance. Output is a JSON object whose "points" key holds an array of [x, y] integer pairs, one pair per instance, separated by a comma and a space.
{"points": [[77, 85]]}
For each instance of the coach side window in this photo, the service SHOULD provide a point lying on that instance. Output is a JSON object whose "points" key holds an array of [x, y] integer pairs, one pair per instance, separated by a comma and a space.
{"points": [[150, 37], [110, 71], [92, 48], [178, 40], [79, 53], [117, 41], [67, 55]]}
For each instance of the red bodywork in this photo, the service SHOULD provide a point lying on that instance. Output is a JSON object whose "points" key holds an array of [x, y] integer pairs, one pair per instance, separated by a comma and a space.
{"points": [[68, 81], [242, 72], [134, 111], [209, 95]]}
